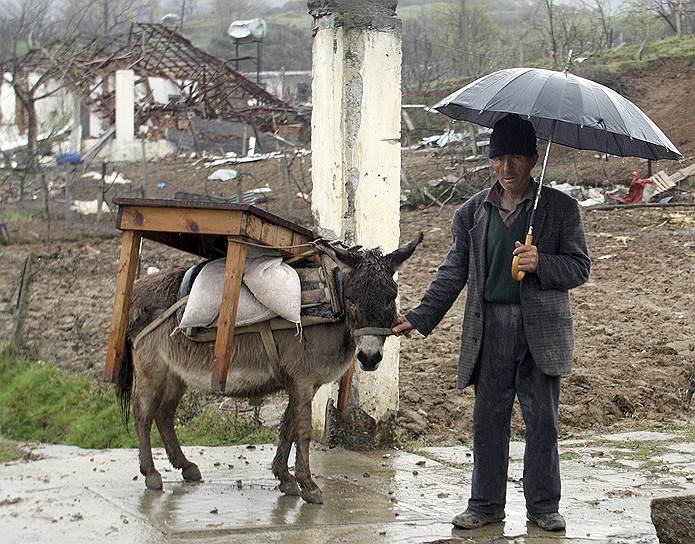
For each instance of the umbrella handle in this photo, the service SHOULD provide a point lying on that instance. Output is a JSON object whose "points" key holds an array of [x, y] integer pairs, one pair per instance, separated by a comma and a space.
{"points": [[517, 274]]}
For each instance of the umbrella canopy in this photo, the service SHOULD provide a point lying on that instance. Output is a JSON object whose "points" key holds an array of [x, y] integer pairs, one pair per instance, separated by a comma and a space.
{"points": [[564, 108]]}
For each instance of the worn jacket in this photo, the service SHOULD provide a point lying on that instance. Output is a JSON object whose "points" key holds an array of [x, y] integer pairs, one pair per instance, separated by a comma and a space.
{"points": [[545, 306]]}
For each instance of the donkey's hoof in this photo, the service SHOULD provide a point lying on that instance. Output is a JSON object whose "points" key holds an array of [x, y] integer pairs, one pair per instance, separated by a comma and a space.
{"points": [[290, 487], [153, 481], [312, 496], [191, 473]]}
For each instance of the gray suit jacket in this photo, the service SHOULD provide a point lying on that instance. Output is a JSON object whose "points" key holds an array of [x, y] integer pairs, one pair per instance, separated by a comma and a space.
{"points": [[563, 264]]}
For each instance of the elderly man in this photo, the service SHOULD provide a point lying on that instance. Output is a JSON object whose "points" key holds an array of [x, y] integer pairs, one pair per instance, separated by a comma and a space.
{"points": [[517, 336]]}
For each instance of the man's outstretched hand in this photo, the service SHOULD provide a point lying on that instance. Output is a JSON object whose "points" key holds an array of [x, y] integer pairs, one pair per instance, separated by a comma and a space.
{"points": [[402, 327]]}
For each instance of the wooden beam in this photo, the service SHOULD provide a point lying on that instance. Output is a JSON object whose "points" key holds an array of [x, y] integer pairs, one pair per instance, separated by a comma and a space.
{"points": [[127, 264], [224, 344], [197, 221]]}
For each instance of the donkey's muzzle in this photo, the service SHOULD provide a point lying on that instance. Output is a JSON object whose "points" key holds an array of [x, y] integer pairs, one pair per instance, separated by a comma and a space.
{"points": [[369, 361]]}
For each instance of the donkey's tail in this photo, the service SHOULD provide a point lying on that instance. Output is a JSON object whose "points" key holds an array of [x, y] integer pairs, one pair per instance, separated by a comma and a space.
{"points": [[124, 386]]}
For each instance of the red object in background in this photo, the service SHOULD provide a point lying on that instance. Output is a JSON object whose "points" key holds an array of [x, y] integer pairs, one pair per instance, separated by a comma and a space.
{"points": [[634, 195]]}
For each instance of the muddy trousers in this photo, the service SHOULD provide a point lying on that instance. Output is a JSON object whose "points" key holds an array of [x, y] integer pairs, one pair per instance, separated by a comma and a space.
{"points": [[505, 369]]}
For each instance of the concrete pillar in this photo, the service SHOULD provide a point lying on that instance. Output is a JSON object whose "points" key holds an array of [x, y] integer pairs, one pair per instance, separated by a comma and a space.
{"points": [[125, 105], [356, 155], [76, 125]]}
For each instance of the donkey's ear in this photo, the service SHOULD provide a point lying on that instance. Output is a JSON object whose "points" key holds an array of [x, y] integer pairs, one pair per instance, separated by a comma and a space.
{"points": [[345, 259], [396, 258]]}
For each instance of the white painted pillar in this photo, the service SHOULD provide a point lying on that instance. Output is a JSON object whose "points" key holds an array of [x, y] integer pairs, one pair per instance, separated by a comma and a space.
{"points": [[356, 155], [76, 125], [125, 105]]}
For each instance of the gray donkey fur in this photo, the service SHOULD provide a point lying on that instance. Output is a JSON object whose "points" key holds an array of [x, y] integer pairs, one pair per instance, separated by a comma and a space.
{"points": [[157, 372]]}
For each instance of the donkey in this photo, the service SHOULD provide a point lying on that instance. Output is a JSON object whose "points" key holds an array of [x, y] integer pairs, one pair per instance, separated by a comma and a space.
{"points": [[157, 371]]}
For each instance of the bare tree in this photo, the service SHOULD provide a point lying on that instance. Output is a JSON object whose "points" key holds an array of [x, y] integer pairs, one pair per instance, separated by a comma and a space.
{"points": [[423, 61], [40, 72], [550, 11], [603, 11], [186, 8], [641, 23], [106, 17], [679, 15], [469, 29]]}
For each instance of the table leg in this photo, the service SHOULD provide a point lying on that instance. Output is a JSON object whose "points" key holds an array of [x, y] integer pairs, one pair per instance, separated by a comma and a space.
{"points": [[233, 274], [127, 265]]}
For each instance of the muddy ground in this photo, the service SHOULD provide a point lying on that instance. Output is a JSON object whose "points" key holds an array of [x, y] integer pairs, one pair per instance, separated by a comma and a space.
{"points": [[635, 342]]}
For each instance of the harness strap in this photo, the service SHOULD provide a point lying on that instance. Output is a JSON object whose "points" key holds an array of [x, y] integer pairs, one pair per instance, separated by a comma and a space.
{"points": [[271, 348], [372, 331], [161, 319]]}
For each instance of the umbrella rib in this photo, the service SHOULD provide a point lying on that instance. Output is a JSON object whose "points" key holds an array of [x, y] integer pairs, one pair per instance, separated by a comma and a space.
{"points": [[509, 82]]}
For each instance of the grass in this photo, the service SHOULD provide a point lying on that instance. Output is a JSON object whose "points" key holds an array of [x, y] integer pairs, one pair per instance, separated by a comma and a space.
{"points": [[9, 451], [668, 48], [15, 217], [42, 403]]}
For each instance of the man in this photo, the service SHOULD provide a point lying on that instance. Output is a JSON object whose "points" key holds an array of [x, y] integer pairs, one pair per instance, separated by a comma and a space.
{"points": [[517, 336]]}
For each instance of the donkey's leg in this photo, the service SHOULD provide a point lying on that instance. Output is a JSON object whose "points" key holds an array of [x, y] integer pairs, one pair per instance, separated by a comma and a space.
{"points": [[288, 483], [144, 407], [174, 389], [304, 392]]}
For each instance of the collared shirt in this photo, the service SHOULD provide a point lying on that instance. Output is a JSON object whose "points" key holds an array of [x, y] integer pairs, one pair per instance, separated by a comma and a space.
{"points": [[508, 217]]}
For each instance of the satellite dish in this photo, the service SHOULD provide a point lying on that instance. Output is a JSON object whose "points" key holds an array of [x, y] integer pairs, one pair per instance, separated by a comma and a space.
{"points": [[247, 31], [170, 19]]}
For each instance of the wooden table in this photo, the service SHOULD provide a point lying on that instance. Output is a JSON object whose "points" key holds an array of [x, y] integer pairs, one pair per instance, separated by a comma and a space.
{"points": [[207, 229]]}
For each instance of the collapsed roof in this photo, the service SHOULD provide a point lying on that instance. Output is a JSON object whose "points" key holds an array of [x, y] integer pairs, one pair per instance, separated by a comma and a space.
{"points": [[209, 87]]}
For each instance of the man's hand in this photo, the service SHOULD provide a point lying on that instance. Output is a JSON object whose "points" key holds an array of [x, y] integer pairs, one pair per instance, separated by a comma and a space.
{"points": [[402, 327], [528, 257]]}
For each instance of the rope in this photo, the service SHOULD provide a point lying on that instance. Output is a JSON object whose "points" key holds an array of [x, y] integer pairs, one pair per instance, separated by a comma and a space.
{"points": [[161, 319], [310, 244]]}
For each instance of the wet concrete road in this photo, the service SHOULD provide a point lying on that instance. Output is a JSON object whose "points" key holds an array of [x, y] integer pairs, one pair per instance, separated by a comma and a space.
{"points": [[68, 495]]}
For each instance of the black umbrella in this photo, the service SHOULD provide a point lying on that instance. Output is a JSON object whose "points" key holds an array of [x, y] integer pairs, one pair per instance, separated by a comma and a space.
{"points": [[563, 108]]}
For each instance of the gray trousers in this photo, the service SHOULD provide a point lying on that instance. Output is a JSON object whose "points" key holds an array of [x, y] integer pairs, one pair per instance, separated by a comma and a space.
{"points": [[505, 369]]}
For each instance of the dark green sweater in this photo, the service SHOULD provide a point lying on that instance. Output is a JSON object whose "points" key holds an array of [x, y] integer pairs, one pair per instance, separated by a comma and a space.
{"points": [[499, 284]]}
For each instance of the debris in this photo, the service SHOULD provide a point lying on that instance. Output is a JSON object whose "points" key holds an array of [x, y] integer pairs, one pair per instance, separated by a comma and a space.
{"points": [[240, 160], [161, 184], [223, 175], [152, 270], [597, 453], [420, 463], [214, 510], [87, 207], [112, 179], [71, 158]]}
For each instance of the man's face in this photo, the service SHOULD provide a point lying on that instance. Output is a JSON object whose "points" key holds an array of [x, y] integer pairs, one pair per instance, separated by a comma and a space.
{"points": [[513, 171]]}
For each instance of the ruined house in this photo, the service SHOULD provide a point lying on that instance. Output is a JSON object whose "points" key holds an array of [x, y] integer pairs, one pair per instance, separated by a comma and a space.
{"points": [[149, 83]]}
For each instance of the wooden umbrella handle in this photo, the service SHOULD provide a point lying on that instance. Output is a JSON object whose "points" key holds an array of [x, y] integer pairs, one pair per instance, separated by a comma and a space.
{"points": [[517, 274]]}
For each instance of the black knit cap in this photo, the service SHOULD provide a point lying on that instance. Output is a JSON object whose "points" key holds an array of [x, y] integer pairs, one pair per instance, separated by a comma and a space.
{"points": [[512, 135]]}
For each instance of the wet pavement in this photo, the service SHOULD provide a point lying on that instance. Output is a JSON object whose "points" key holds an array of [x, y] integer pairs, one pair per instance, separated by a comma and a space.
{"points": [[69, 495]]}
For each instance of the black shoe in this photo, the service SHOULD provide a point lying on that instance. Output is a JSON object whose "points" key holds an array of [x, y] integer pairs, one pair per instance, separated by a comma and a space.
{"points": [[552, 521], [470, 519]]}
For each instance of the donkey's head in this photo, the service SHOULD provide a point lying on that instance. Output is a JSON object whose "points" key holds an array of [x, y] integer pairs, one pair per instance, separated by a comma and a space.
{"points": [[370, 295]]}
